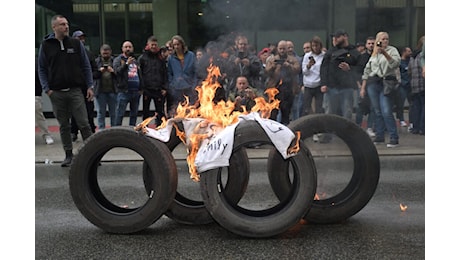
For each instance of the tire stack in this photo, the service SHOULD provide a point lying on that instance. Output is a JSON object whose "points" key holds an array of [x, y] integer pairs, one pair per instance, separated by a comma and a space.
{"points": [[224, 190]]}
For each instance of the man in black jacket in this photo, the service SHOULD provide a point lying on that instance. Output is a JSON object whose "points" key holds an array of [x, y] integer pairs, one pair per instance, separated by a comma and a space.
{"points": [[339, 75], [64, 70], [155, 80]]}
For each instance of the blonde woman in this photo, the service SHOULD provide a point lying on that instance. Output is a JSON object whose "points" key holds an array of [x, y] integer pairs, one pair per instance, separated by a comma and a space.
{"points": [[384, 62]]}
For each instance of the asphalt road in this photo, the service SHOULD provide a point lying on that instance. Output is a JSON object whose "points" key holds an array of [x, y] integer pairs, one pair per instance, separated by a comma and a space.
{"points": [[379, 231]]}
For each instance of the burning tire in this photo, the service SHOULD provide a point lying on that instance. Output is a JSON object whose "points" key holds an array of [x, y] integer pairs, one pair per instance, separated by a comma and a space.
{"points": [[364, 177], [189, 210], [113, 199], [278, 216]]}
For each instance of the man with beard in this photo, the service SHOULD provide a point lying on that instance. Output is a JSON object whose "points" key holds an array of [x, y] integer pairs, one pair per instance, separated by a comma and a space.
{"points": [[283, 72], [244, 63], [339, 75]]}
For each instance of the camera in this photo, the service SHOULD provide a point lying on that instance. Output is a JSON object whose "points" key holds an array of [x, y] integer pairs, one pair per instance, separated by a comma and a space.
{"points": [[279, 61], [241, 55], [105, 65], [379, 44], [311, 58]]}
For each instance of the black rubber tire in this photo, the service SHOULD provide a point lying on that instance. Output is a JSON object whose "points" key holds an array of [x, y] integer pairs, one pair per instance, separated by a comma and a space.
{"points": [[266, 222], [93, 204], [193, 212], [365, 176]]}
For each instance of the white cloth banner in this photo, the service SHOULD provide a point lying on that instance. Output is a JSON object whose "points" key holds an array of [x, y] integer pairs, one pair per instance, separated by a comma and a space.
{"points": [[215, 152]]}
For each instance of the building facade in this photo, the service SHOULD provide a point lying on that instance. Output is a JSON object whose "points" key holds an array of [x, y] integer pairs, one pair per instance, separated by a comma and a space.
{"points": [[200, 21]]}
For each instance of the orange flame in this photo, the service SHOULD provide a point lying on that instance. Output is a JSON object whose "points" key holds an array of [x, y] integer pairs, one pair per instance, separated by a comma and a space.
{"points": [[142, 126], [296, 147], [402, 207], [216, 116]]}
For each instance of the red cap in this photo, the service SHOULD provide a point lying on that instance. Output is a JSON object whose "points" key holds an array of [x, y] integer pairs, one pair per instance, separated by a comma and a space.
{"points": [[264, 50]]}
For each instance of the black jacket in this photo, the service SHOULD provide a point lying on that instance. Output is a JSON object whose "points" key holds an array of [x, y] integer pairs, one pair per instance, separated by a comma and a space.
{"points": [[334, 77], [38, 86], [121, 70], [154, 72], [64, 68]]}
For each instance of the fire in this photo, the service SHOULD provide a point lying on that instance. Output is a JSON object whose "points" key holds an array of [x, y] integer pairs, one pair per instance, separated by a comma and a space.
{"points": [[319, 196], [214, 116], [402, 207], [141, 126], [296, 147]]}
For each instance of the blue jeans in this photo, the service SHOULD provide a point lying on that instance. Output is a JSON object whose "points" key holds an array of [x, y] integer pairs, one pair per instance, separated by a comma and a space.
{"points": [[104, 100], [297, 106], [417, 112], [403, 92], [383, 109], [341, 102], [123, 98]]}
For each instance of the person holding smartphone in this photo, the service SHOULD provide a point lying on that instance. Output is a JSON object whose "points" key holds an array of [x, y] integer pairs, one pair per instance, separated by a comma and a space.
{"points": [[311, 65], [283, 73], [129, 83], [384, 62], [244, 63], [104, 87]]}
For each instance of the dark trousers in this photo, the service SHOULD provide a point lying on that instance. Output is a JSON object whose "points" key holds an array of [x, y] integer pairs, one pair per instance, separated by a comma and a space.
{"points": [[90, 113], [159, 101], [65, 105], [286, 98], [309, 94]]}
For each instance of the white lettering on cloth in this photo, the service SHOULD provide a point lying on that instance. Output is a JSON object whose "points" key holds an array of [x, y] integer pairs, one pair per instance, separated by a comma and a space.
{"points": [[216, 149]]}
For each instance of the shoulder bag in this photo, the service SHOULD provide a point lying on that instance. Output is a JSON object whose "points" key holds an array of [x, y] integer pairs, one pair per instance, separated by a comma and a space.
{"points": [[390, 84]]}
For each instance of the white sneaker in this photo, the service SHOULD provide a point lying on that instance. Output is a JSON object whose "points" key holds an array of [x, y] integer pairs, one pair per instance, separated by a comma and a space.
{"points": [[403, 123], [315, 138], [48, 139], [370, 132]]}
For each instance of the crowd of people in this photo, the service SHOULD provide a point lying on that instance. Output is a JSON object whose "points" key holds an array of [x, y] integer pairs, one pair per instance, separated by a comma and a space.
{"points": [[342, 80]]}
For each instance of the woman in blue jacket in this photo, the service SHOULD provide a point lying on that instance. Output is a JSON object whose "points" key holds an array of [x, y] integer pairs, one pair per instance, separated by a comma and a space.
{"points": [[182, 75]]}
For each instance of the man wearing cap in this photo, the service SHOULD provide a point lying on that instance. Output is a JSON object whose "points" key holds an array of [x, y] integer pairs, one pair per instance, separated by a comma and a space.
{"points": [[89, 103], [339, 75], [64, 70]]}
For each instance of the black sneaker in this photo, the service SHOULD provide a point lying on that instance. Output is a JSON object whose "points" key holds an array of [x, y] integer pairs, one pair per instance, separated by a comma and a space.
{"points": [[379, 140], [392, 144]]}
